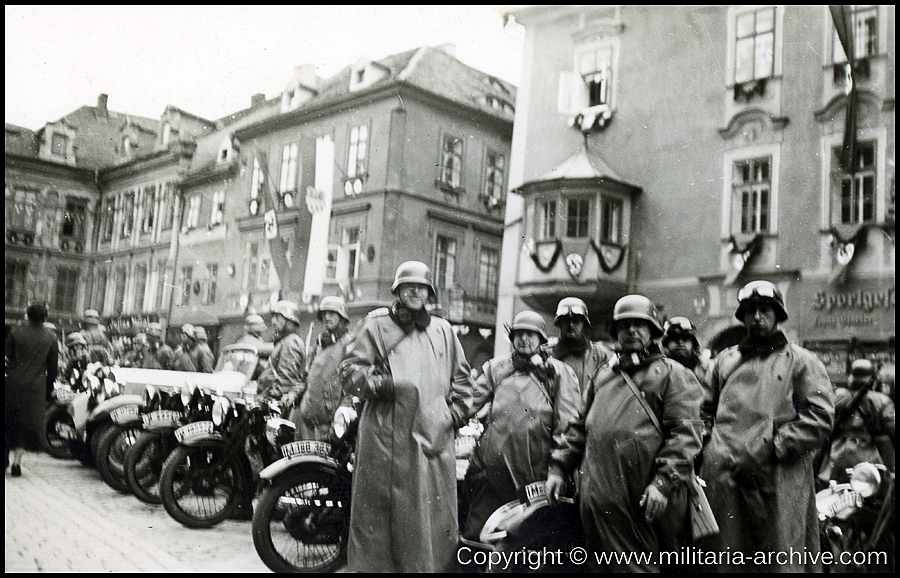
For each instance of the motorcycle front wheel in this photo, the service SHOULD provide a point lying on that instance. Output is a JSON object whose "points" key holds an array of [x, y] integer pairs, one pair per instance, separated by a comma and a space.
{"points": [[201, 486], [143, 465], [302, 520], [58, 429], [114, 443]]}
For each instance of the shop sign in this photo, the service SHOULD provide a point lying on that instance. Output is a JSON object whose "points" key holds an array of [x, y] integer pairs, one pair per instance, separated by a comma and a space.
{"points": [[851, 309], [129, 325]]}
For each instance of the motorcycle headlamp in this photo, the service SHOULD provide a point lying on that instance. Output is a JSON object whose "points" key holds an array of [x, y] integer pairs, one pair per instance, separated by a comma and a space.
{"points": [[110, 387], [187, 392], [220, 410], [343, 417], [865, 479], [279, 431], [149, 396]]}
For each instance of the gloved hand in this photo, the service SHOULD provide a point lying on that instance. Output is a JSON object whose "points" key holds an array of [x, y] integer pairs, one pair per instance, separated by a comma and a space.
{"points": [[381, 387], [555, 486], [288, 400]]}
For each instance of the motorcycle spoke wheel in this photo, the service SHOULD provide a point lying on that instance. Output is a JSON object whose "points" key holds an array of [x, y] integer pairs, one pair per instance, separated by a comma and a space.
{"points": [[143, 465], [200, 486], [301, 522], [114, 442], [58, 430]]}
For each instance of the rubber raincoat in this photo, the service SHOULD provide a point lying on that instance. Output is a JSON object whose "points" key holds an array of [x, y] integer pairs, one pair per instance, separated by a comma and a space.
{"points": [[287, 368], [858, 439], [403, 515], [623, 453], [323, 395], [526, 422], [772, 413], [584, 364]]}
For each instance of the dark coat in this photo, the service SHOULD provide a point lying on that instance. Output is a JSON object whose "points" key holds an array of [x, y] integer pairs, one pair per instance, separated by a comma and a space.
{"points": [[324, 391], [287, 368], [34, 356]]}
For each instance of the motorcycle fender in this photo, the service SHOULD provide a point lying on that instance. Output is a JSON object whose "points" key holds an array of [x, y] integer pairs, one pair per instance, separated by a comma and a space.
{"points": [[211, 439], [79, 411], [163, 429], [101, 412], [284, 464]]}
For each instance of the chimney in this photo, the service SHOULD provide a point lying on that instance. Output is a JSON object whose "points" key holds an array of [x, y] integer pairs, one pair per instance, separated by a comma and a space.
{"points": [[449, 49], [101, 105], [305, 75], [257, 100]]}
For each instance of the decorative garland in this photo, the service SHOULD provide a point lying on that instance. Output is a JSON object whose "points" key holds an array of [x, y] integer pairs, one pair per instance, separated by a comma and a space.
{"points": [[858, 238], [749, 247], [607, 268], [534, 257]]}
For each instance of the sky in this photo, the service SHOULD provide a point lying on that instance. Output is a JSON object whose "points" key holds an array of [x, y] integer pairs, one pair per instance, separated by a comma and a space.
{"points": [[210, 60]]}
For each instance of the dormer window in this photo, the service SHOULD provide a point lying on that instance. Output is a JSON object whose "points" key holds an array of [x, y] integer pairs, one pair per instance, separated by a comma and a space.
{"points": [[225, 151], [360, 76], [59, 145], [166, 134], [366, 73], [126, 145]]}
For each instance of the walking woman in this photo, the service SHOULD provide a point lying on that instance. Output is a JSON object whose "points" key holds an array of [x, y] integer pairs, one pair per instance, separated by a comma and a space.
{"points": [[33, 353]]}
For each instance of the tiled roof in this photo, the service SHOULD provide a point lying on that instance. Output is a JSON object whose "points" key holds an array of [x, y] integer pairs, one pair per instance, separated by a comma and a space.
{"points": [[20, 141], [435, 71], [208, 146]]}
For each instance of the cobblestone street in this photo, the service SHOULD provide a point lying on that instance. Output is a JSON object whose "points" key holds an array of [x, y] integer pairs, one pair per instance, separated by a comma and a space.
{"points": [[61, 517]]}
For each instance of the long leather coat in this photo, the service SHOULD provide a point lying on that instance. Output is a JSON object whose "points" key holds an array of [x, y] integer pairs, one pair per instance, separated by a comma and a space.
{"points": [[287, 368], [623, 453], [323, 394], [403, 514], [585, 365], [858, 440], [526, 422], [772, 414]]}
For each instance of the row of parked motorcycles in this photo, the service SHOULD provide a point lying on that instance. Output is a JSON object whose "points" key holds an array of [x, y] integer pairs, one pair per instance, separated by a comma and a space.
{"points": [[203, 447]]}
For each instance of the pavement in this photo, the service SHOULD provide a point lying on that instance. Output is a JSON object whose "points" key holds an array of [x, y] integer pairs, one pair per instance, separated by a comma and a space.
{"points": [[62, 517]]}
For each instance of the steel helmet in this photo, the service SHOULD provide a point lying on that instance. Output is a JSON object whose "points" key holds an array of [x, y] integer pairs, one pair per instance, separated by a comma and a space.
{"points": [[92, 314], [154, 329], [761, 291], [680, 327], [254, 318], [188, 330], [636, 307], [413, 272], [862, 369], [572, 306], [288, 310], [200, 333], [333, 303], [531, 321], [75, 338]]}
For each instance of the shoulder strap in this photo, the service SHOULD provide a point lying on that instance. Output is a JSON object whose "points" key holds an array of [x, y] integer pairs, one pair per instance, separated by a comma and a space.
{"points": [[643, 402]]}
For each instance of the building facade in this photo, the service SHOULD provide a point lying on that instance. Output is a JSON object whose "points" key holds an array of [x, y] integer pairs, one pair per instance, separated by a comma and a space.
{"points": [[323, 190], [682, 151]]}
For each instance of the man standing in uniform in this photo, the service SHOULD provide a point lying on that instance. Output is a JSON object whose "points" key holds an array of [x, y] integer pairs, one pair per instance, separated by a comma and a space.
{"points": [[862, 433], [254, 326], [636, 468], [773, 407], [99, 347], [324, 390], [285, 378], [33, 354], [186, 355], [159, 355], [412, 375], [206, 361], [680, 342], [574, 348]]}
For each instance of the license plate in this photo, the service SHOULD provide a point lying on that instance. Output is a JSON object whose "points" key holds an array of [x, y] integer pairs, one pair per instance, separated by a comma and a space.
{"points": [[163, 417], [306, 448], [535, 491], [124, 413], [65, 395], [192, 429]]}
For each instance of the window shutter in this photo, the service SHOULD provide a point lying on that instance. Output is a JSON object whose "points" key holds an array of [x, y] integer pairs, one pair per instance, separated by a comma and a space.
{"points": [[573, 94]]}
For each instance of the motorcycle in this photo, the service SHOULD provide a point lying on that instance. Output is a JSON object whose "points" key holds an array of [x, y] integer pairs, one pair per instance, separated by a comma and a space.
{"points": [[209, 476], [174, 399], [302, 520], [856, 520], [58, 426], [164, 412], [90, 411]]}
